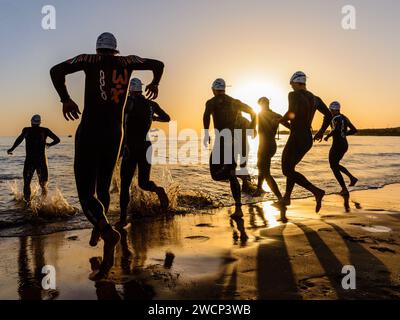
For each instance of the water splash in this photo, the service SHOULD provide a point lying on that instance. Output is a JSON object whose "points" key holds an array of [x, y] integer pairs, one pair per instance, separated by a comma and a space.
{"points": [[52, 206], [147, 203]]}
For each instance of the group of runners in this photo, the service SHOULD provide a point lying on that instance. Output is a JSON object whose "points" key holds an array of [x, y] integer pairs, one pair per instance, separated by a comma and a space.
{"points": [[118, 115]]}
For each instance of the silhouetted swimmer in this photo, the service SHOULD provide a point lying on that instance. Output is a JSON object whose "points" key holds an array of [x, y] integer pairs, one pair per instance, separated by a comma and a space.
{"points": [[225, 111], [99, 135], [139, 115], [341, 128], [268, 123], [36, 160], [302, 107]]}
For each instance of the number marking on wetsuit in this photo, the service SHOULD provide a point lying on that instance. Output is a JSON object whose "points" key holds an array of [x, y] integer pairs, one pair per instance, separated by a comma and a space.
{"points": [[102, 84]]}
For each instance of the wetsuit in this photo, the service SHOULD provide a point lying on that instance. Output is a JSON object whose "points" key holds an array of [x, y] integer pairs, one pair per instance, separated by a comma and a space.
{"points": [[302, 107], [139, 115], [98, 137], [341, 128], [225, 111], [36, 159], [268, 123]]}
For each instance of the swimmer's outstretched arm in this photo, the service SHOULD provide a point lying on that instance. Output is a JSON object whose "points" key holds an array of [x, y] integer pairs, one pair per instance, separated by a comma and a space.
{"points": [[137, 63], [206, 124], [17, 142], [57, 74], [321, 107]]}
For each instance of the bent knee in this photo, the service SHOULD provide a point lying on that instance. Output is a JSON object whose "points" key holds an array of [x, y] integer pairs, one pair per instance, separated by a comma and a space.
{"points": [[334, 165]]}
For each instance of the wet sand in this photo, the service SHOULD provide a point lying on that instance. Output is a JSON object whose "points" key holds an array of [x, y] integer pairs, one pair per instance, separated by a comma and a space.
{"points": [[209, 256]]}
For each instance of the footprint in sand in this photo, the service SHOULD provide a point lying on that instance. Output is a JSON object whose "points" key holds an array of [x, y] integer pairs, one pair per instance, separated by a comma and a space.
{"points": [[198, 238], [205, 225], [383, 249]]}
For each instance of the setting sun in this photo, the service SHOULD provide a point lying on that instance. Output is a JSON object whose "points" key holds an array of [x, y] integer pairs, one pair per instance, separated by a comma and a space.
{"points": [[251, 90]]}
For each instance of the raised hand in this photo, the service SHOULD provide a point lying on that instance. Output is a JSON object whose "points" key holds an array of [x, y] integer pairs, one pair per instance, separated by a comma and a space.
{"points": [[318, 137], [71, 110], [152, 91]]}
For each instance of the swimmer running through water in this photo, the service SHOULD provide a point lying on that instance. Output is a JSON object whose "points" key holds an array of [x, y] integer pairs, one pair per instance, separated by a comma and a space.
{"points": [[99, 135], [341, 128], [268, 123], [224, 111], [139, 115], [36, 159], [302, 107]]}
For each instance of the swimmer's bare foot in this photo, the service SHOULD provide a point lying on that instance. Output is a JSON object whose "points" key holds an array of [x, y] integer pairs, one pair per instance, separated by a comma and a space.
{"points": [[319, 195], [163, 197], [96, 266], [353, 182], [283, 219], [243, 238], [238, 213], [95, 263], [95, 237], [258, 193], [111, 238]]}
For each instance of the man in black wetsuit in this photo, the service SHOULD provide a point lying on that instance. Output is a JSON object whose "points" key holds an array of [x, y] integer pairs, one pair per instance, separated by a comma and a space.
{"points": [[225, 111], [99, 135], [268, 123], [302, 107], [36, 159], [139, 115], [341, 128]]}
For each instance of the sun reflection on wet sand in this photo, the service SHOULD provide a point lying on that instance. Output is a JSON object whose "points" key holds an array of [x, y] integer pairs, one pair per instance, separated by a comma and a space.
{"points": [[270, 214]]}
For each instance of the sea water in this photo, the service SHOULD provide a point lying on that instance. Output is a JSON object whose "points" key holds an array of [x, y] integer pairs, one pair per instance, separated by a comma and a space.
{"points": [[374, 160]]}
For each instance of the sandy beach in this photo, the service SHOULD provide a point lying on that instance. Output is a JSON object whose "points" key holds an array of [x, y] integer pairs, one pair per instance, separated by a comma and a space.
{"points": [[209, 256]]}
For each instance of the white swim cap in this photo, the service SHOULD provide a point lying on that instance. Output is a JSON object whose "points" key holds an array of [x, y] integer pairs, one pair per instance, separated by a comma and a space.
{"points": [[136, 85], [335, 106], [219, 84], [298, 77], [107, 41], [36, 120]]}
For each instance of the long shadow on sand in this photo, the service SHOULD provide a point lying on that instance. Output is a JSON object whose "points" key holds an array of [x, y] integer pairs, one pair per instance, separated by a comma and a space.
{"points": [[327, 259], [364, 262], [373, 277], [275, 279]]}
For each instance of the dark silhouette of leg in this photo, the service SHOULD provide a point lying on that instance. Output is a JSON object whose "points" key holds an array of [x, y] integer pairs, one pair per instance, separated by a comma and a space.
{"points": [[29, 170]]}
